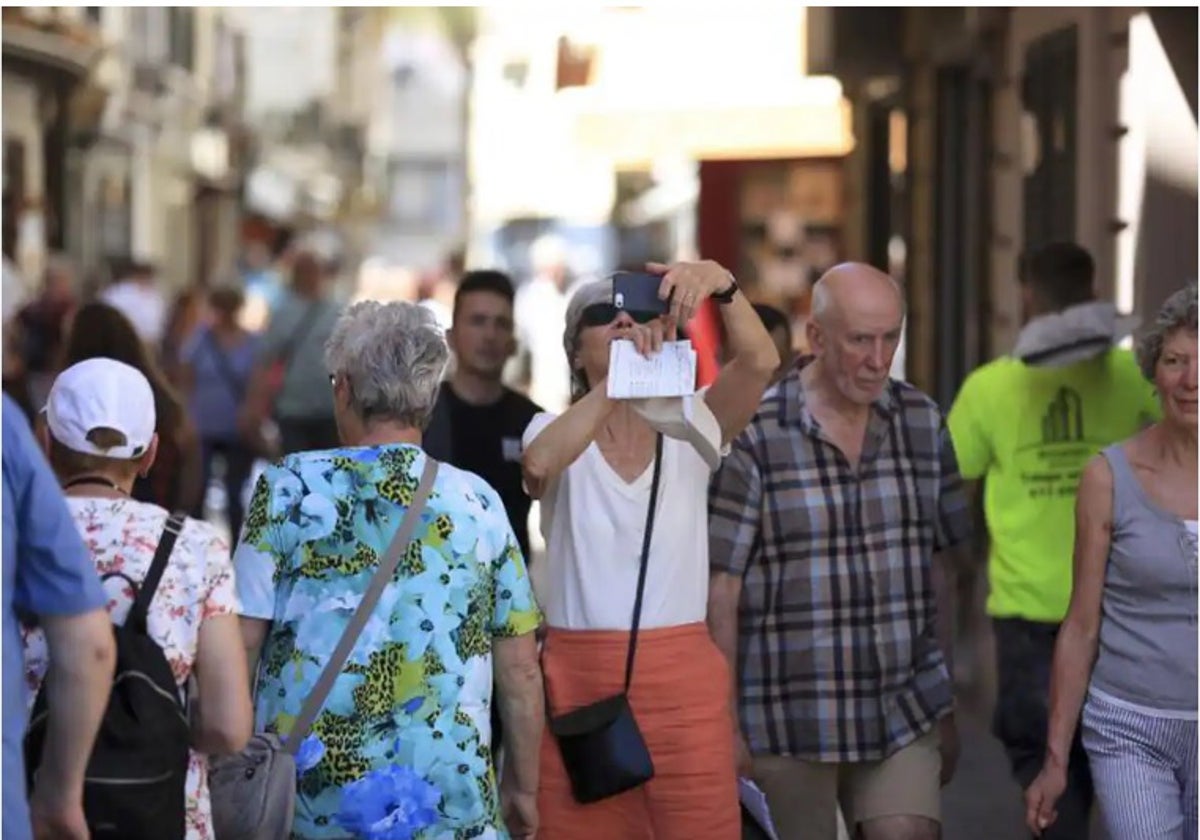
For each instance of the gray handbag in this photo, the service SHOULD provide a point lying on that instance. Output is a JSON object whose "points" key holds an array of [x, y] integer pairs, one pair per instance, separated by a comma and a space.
{"points": [[253, 793]]}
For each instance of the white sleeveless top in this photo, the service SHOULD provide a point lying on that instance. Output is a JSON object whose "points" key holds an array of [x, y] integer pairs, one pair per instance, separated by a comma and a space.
{"points": [[593, 523]]}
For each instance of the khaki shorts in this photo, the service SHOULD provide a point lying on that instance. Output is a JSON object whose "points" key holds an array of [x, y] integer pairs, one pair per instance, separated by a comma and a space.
{"points": [[804, 795]]}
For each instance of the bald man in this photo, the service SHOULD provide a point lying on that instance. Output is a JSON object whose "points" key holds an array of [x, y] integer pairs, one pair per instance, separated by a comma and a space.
{"points": [[830, 520]]}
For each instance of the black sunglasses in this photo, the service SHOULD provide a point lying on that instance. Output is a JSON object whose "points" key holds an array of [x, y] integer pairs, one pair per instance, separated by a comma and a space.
{"points": [[602, 314]]}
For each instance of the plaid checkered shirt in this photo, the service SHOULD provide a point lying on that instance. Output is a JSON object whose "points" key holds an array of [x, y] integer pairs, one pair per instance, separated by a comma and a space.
{"points": [[838, 658]]}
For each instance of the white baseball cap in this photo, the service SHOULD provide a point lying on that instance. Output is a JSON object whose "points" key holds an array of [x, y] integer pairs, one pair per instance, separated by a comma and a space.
{"points": [[102, 394]]}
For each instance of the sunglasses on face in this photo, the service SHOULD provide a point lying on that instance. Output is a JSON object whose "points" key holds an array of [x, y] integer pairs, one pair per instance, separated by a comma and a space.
{"points": [[603, 314]]}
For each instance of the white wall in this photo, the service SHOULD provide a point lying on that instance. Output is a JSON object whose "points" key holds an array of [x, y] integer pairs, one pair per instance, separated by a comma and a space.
{"points": [[425, 113], [290, 54], [1156, 253]]}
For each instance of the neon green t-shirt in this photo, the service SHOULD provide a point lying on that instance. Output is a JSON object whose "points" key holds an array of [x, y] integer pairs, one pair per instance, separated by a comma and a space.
{"points": [[1029, 431]]}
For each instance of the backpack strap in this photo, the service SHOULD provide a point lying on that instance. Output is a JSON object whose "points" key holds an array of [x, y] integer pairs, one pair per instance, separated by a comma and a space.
{"points": [[379, 581], [166, 544]]}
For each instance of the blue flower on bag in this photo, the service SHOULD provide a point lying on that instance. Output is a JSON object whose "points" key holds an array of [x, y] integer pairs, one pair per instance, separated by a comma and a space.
{"points": [[311, 751], [393, 803]]}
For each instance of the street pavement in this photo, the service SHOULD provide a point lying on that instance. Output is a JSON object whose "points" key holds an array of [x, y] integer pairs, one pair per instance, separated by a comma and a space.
{"points": [[982, 802]]}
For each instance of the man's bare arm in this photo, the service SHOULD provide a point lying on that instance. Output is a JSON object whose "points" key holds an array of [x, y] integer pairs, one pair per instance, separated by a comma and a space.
{"points": [[724, 594]]}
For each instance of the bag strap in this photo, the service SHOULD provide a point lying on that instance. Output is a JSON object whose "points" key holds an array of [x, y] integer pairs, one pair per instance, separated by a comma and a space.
{"points": [[641, 585], [300, 332], [380, 580], [136, 619]]}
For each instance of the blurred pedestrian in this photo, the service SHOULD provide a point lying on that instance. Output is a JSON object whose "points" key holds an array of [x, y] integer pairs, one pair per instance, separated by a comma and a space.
{"points": [[15, 293], [780, 330], [831, 522], [1027, 424], [1127, 649], [403, 738], [173, 481], [290, 384], [43, 324], [138, 296], [264, 287], [185, 316], [622, 480], [49, 579], [217, 362], [541, 306]]}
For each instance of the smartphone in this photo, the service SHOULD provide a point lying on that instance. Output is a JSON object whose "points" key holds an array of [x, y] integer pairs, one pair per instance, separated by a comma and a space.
{"points": [[637, 291]]}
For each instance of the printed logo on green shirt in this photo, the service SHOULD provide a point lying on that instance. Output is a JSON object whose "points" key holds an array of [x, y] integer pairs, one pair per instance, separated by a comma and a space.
{"points": [[1063, 420]]}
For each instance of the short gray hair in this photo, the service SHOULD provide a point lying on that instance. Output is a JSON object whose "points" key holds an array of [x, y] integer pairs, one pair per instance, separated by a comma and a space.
{"points": [[393, 356], [587, 294], [1177, 313]]}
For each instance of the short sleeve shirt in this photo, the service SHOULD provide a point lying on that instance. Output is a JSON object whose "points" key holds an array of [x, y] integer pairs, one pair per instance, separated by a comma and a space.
{"points": [[413, 701], [122, 536], [219, 379], [47, 571], [1029, 430], [838, 656], [297, 335]]}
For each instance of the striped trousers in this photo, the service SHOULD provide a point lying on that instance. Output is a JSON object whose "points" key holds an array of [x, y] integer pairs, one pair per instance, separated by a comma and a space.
{"points": [[1144, 770]]}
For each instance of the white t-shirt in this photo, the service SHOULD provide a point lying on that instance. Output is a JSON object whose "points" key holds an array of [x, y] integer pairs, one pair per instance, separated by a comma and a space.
{"points": [[144, 306], [593, 523], [540, 313]]}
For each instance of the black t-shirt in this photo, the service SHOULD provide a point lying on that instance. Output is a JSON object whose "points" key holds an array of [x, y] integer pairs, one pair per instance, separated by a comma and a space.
{"points": [[486, 440]]}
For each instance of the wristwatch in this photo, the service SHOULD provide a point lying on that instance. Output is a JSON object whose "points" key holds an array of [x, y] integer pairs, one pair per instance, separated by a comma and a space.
{"points": [[727, 295]]}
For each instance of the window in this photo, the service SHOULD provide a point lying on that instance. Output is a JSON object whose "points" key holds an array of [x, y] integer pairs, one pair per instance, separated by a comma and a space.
{"points": [[574, 64], [148, 34], [1050, 99], [181, 31]]}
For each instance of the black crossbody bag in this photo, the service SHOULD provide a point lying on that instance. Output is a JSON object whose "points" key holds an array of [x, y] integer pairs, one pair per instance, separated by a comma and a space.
{"points": [[602, 748]]}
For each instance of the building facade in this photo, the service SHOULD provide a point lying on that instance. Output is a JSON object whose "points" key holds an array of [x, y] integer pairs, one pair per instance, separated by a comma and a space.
{"points": [[985, 132], [122, 138]]}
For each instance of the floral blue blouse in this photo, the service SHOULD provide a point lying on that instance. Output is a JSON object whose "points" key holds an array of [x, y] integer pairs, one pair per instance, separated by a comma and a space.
{"points": [[402, 747]]}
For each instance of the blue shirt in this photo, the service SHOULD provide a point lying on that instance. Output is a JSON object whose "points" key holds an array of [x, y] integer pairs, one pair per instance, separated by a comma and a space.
{"points": [[47, 571], [219, 379]]}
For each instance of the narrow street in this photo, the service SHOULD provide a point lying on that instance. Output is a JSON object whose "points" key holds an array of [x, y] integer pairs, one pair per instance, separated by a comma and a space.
{"points": [[982, 802]]}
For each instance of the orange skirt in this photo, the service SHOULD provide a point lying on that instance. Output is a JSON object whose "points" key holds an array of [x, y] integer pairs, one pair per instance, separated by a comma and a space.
{"points": [[680, 699]]}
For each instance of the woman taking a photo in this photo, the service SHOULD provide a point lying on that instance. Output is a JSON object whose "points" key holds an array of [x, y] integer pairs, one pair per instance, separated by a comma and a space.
{"points": [[596, 469], [1127, 651]]}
